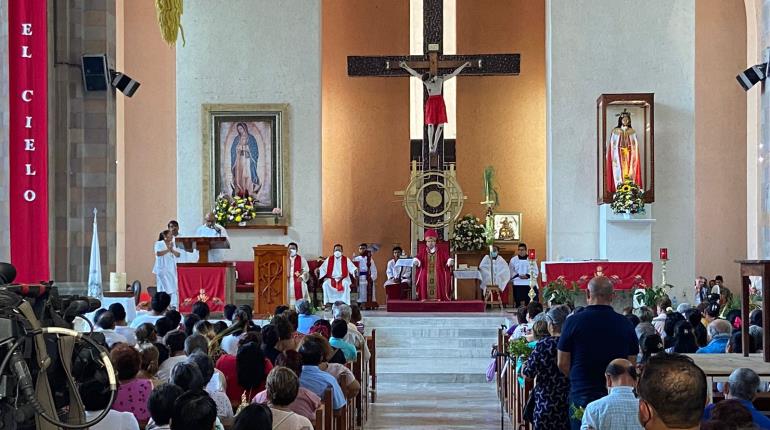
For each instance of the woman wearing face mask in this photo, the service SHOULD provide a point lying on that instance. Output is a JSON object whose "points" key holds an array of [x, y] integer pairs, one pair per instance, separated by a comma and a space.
{"points": [[298, 275]]}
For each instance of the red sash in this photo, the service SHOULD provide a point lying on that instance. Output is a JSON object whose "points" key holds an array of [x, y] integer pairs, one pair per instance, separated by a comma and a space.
{"points": [[337, 285], [297, 279]]}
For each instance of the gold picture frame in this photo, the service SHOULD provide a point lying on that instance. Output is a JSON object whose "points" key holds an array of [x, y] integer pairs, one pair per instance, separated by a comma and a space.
{"points": [[262, 172], [513, 222]]}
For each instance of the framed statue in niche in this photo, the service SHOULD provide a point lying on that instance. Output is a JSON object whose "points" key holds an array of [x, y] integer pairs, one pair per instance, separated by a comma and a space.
{"points": [[625, 130], [245, 154], [507, 227]]}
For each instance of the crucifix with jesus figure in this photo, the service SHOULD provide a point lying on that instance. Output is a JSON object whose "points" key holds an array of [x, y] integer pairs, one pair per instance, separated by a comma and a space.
{"points": [[433, 153]]}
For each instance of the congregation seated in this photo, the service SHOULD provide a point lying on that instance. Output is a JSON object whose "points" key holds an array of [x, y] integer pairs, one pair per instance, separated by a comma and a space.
{"points": [[719, 335], [305, 402], [164, 325], [735, 344], [285, 332], [649, 345], [201, 309], [269, 341], [121, 327], [683, 338], [241, 323], [146, 333], [228, 312], [189, 323], [344, 312], [95, 395], [730, 415], [324, 329], [645, 321], [533, 310], [659, 322], [293, 317], [694, 316], [133, 392], [175, 317], [755, 327], [159, 305], [671, 320], [742, 386], [106, 325], [282, 388], [204, 328], [305, 317], [315, 379], [199, 344]]}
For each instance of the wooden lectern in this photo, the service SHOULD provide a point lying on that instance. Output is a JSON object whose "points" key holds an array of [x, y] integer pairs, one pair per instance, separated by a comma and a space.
{"points": [[203, 245], [271, 271]]}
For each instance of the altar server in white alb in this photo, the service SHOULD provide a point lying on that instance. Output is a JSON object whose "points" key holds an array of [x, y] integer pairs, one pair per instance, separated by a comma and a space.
{"points": [[299, 272], [494, 270], [367, 272], [398, 274], [165, 266], [211, 229], [520, 275], [335, 272]]}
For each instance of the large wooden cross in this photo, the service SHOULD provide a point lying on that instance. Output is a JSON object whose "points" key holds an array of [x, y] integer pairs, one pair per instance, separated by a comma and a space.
{"points": [[435, 62]]}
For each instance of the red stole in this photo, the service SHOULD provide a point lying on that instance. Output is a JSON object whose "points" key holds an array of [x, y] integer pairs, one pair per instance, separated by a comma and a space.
{"points": [[297, 279], [337, 285]]}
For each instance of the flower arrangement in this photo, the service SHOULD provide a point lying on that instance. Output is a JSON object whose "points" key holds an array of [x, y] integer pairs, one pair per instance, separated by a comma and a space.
{"points": [[235, 209], [558, 293], [519, 348], [628, 198], [469, 234]]}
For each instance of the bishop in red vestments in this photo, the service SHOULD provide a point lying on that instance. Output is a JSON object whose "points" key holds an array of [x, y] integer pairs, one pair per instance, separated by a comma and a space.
{"points": [[434, 274]]}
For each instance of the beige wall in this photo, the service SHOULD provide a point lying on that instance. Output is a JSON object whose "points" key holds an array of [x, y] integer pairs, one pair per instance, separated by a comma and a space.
{"points": [[365, 126], [720, 139], [146, 138], [501, 119]]}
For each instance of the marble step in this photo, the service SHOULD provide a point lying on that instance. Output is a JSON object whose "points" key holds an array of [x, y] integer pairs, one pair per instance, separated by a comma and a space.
{"points": [[449, 322], [435, 342], [436, 353], [437, 332], [432, 369]]}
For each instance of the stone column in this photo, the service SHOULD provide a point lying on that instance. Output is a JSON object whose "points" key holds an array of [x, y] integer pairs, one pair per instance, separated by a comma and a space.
{"points": [[5, 246], [763, 146], [82, 139]]}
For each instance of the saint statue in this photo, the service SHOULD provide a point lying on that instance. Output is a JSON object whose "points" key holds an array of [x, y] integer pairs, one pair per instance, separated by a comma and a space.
{"points": [[244, 154], [505, 232], [435, 109], [622, 155]]}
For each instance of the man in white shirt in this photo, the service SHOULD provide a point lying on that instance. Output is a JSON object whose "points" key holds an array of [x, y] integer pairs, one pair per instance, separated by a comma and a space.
{"points": [[400, 276], [494, 271], [299, 273], [619, 409], [160, 303], [211, 229], [520, 267], [175, 342], [106, 325], [121, 327], [335, 273], [367, 273]]}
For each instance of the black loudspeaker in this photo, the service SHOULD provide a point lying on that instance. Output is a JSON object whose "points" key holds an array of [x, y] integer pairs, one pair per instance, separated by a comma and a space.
{"points": [[95, 72], [126, 84]]}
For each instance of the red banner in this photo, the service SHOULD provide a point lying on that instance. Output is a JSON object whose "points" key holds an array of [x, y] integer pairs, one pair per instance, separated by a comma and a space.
{"points": [[201, 283], [626, 275], [28, 93]]}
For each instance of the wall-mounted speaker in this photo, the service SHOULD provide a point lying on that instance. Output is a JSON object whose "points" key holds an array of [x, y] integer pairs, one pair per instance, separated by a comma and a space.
{"points": [[95, 72]]}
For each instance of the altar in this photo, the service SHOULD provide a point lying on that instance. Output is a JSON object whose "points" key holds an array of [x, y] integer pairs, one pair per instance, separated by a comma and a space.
{"points": [[626, 274]]}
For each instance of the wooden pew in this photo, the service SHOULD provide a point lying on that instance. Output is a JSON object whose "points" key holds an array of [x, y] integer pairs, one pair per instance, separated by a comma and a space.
{"points": [[371, 386], [328, 405], [318, 422]]}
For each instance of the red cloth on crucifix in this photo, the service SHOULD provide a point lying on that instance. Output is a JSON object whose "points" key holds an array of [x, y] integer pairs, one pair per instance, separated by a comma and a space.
{"points": [[435, 110]]}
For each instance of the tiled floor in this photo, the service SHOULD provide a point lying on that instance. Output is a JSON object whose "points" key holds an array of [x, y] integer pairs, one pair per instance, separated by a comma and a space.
{"points": [[435, 406]]}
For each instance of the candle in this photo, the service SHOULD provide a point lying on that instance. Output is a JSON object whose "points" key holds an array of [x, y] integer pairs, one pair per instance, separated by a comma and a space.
{"points": [[532, 254], [664, 253]]}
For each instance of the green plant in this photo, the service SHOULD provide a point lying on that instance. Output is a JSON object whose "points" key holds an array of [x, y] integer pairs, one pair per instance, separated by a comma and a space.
{"points": [[519, 348], [650, 296], [558, 293]]}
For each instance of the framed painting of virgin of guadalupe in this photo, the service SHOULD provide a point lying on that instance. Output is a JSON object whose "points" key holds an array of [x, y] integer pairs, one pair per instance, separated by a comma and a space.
{"points": [[625, 133], [245, 155]]}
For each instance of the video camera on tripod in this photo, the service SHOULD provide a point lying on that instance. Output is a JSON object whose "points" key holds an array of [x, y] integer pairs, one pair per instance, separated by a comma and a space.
{"points": [[43, 357]]}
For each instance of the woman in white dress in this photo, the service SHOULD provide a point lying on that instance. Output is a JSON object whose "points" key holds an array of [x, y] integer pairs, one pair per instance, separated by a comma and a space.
{"points": [[165, 266]]}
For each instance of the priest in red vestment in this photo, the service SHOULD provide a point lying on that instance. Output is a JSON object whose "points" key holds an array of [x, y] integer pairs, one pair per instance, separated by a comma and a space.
{"points": [[434, 274]]}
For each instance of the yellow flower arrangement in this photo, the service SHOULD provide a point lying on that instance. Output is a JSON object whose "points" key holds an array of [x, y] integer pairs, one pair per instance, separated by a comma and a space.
{"points": [[628, 198]]}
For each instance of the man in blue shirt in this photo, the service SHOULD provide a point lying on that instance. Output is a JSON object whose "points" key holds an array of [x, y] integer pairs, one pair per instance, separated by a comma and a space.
{"points": [[719, 335], [315, 379], [742, 386], [589, 341]]}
